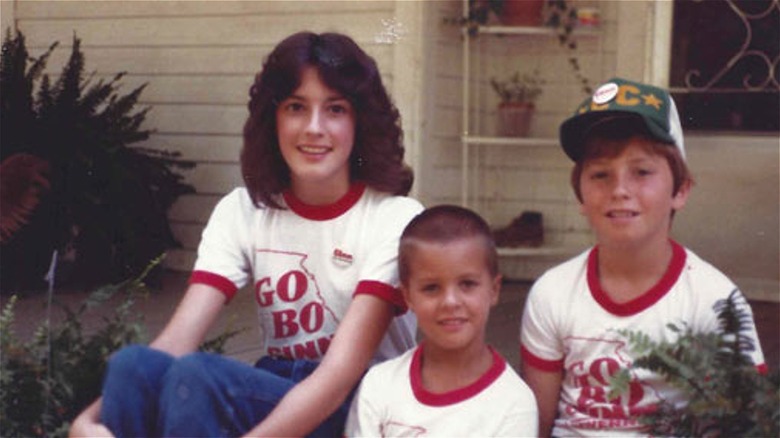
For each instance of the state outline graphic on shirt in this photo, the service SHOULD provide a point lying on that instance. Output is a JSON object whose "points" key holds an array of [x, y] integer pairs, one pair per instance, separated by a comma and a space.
{"points": [[590, 377], [293, 293], [392, 428]]}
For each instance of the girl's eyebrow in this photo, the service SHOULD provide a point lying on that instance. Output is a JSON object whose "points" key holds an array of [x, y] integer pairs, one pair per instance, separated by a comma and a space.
{"points": [[334, 98]]}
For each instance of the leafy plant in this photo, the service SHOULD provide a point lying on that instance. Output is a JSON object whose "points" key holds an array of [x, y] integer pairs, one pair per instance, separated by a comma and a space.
{"points": [[519, 88], [562, 17], [727, 395], [106, 199], [49, 379]]}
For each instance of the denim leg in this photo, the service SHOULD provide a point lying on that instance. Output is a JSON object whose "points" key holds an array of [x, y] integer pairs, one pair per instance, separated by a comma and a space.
{"points": [[130, 390], [211, 395]]}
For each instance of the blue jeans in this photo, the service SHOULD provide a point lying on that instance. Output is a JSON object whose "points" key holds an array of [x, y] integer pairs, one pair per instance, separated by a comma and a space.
{"points": [[149, 393]]}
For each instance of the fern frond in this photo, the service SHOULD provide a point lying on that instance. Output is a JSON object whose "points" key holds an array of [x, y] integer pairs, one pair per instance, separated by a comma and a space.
{"points": [[726, 394]]}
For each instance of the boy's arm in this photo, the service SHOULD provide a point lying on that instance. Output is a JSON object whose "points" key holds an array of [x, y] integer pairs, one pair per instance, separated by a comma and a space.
{"points": [[546, 386], [315, 398]]}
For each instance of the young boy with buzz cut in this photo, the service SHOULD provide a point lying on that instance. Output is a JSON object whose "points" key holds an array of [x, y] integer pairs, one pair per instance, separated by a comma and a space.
{"points": [[452, 383], [630, 177]]}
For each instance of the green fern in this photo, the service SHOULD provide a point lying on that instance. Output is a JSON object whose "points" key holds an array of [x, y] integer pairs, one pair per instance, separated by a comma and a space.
{"points": [[47, 380], [727, 395], [109, 198]]}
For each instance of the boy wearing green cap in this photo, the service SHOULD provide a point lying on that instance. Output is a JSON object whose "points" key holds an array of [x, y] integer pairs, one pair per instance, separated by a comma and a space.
{"points": [[630, 177]]}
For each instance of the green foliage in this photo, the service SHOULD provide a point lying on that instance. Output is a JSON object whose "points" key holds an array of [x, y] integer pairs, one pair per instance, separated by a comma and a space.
{"points": [[562, 16], [727, 395], [109, 197], [49, 379]]}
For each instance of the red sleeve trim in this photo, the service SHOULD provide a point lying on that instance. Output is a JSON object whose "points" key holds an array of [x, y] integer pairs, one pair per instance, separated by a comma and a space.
{"points": [[762, 369], [227, 287], [551, 366], [383, 291]]}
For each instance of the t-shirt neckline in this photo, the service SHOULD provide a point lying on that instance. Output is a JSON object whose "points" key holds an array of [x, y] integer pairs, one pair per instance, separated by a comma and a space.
{"points": [[648, 298], [458, 395], [328, 211]]}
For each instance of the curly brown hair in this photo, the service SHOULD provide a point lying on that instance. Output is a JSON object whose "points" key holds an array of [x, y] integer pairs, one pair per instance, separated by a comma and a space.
{"points": [[378, 152]]}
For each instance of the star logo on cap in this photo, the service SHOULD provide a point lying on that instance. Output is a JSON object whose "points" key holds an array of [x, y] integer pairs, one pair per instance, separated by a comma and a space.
{"points": [[651, 100]]}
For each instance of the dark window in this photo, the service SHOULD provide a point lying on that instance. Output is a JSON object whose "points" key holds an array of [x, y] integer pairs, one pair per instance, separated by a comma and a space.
{"points": [[725, 71]]}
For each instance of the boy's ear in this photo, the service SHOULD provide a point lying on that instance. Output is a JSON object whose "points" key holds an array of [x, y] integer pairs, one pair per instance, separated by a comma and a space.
{"points": [[681, 197], [405, 294], [496, 290]]}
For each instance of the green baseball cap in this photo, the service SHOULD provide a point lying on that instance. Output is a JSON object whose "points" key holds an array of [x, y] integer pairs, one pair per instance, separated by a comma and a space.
{"points": [[620, 97]]}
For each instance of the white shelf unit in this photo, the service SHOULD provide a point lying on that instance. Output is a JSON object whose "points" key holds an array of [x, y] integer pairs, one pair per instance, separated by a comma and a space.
{"points": [[472, 140]]}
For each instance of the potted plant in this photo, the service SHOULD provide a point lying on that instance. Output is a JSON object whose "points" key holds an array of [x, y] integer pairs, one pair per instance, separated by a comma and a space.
{"points": [[517, 94], [520, 12], [505, 12]]}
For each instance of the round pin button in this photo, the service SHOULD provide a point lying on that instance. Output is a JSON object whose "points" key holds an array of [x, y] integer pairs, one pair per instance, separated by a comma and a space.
{"points": [[605, 93]]}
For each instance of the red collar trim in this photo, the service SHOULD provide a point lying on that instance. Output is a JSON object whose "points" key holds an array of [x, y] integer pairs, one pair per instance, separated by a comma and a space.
{"points": [[645, 300], [458, 395], [325, 212]]}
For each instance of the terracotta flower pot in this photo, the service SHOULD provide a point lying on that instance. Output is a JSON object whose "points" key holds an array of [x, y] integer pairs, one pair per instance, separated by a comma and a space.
{"points": [[514, 119], [522, 12]]}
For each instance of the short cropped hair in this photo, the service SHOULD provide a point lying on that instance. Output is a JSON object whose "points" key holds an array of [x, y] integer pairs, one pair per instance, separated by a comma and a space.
{"points": [[377, 155], [610, 138], [445, 224]]}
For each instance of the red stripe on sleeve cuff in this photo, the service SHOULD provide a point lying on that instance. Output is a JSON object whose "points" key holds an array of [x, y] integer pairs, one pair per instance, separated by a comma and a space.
{"points": [[227, 287], [383, 291], [538, 362]]}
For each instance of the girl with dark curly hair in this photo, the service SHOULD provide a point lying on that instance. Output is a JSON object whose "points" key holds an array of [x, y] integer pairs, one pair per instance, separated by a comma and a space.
{"points": [[316, 232]]}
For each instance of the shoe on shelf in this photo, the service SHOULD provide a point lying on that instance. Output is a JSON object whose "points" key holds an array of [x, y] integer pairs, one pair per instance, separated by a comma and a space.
{"points": [[524, 230]]}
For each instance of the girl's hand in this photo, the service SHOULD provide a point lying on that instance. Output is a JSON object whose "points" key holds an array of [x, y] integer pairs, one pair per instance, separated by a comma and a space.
{"points": [[87, 424], [79, 429]]}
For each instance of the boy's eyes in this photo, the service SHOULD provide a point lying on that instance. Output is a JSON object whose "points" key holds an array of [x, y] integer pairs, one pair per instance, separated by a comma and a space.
{"points": [[601, 174], [429, 287], [467, 284]]}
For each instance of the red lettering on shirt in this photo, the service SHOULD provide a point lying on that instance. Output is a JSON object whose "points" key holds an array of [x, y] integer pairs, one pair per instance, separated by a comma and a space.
{"points": [[592, 376], [306, 350]]}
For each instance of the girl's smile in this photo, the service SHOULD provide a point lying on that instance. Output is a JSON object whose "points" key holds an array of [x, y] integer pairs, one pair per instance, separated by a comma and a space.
{"points": [[316, 132]]}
